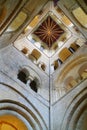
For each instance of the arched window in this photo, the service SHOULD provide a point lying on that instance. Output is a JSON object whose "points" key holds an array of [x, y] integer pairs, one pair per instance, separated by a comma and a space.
{"points": [[70, 82], [64, 54], [73, 47], [33, 85], [23, 75], [83, 71]]}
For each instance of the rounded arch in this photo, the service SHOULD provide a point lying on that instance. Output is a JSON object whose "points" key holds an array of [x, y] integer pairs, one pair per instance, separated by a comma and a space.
{"points": [[70, 69], [75, 111], [34, 84], [77, 61], [23, 75], [8, 121], [32, 73], [34, 80], [29, 115], [83, 71], [26, 71]]}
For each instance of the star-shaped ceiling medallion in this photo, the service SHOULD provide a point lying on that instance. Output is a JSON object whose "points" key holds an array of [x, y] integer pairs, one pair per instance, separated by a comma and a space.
{"points": [[49, 31]]}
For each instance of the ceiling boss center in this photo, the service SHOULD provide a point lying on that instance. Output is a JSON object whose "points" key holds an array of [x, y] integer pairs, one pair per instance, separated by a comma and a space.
{"points": [[49, 31]]}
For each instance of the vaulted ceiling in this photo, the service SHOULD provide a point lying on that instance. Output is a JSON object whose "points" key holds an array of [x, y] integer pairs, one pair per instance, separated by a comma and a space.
{"points": [[49, 31]]}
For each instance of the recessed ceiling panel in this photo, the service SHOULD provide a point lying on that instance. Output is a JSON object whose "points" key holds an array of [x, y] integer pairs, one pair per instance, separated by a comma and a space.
{"points": [[49, 31]]}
